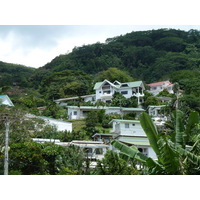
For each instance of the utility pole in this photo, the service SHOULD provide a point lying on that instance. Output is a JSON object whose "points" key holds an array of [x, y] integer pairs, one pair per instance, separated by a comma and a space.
{"points": [[6, 146]]}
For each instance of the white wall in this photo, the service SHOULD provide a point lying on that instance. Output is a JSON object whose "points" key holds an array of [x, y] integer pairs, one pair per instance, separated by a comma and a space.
{"points": [[60, 125], [134, 130], [129, 90], [151, 153]]}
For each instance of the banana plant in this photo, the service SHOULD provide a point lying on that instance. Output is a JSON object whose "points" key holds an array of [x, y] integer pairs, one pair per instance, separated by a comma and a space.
{"points": [[171, 154]]}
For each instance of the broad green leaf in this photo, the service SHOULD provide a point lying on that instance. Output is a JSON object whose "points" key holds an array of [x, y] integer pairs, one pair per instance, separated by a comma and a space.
{"points": [[179, 137], [154, 167], [168, 155], [192, 121], [150, 130], [190, 156], [132, 153]]}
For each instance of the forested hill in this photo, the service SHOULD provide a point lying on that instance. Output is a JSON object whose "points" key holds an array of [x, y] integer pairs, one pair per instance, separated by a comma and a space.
{"points": [[14, 74], [147, 55]]}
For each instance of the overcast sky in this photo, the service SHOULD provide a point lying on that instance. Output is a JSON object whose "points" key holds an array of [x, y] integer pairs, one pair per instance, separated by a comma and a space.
{"points": [[36, 45]]}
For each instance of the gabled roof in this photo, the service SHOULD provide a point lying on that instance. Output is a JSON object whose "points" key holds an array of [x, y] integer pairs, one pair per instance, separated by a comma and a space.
{"points": [[129, 84], [158, 83], [99, 84], [133, 84], [5, 100]]}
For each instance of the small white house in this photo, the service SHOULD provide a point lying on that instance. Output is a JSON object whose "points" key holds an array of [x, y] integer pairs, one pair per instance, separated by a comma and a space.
{"points": [[156, 88], [105, 90], [155, 113], [5, 100], [75, 112], [93, 149], [59, 124], [131, 133]]}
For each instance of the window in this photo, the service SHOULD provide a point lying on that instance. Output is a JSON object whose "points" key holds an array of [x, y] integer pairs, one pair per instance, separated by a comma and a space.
{"points": [[99, 91], [144, 151], [108, 101], [126, 125], [124, 92], [75, 112], [99, 151], [133, 124], [107, 92], [124, 85]]}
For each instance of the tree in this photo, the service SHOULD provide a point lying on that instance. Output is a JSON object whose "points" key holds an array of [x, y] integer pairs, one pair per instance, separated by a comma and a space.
{"points": [[151, 100], [120, 101], [112, 164], [30, 158], [113, 74], [22, 124]]}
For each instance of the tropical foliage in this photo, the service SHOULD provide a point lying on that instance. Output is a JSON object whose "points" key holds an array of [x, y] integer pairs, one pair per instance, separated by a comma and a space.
{"points": [[173, 156]]}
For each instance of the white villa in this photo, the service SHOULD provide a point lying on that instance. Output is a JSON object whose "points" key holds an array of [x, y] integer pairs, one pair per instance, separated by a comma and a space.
{"points": [[5, 100], [105, 90], [131, 133], [157, 87], [75, 112]]}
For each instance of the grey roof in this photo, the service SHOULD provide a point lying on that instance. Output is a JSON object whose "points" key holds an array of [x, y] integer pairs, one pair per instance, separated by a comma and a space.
{"points": [[125, 121], [105, 108], [71, 98], [5, 100]]}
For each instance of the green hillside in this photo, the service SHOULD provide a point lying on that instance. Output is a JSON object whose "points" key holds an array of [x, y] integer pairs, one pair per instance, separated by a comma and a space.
{"points": [[13, 74], [148, 55]]}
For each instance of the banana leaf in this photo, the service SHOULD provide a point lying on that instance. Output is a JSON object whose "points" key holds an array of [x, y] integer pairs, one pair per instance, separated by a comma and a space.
{"points": [[131, 152], [154, 167], [190, 156], [169, 157], [150, 130], [192, 121], [179, 129]]}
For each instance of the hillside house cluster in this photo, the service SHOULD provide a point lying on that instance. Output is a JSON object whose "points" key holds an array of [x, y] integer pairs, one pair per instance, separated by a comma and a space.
{"points": [[129, 132], [80, 112]]}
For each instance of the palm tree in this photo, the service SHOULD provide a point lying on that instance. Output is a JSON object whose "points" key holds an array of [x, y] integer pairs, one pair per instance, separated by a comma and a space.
{"points": [[172, 154]]}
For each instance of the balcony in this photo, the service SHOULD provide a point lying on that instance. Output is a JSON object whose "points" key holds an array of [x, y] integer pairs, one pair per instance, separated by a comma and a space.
{"points": [[138, 94]]}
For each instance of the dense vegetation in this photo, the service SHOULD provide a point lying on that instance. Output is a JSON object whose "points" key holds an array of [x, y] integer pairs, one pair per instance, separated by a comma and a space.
{"points": [[13, 74], [148, 55]]}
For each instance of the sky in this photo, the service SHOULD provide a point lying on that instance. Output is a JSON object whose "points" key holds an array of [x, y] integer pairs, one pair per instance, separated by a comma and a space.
{"points": [[36, 45]]}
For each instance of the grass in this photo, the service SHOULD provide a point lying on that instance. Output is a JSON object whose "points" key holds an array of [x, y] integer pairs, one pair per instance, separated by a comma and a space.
{"points": [[77, 124]]}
